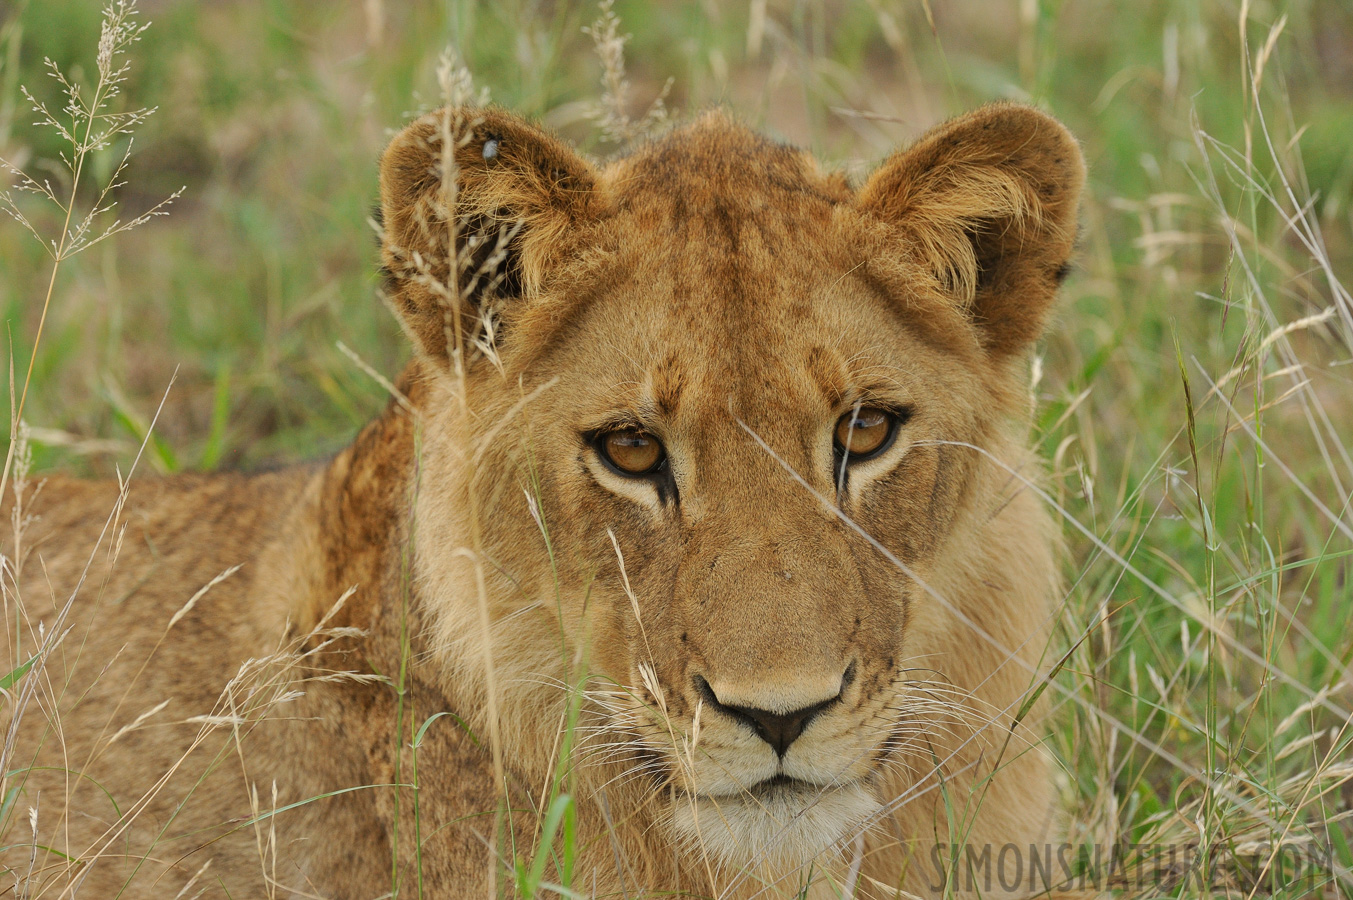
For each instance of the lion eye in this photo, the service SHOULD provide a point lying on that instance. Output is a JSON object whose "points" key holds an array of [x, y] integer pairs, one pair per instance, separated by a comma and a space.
{"points": [[631, 451], [864, 432]]}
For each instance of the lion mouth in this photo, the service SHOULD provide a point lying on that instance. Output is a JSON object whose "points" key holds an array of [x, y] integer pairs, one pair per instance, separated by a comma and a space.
{"points": [[783, 784], [778, 786]]}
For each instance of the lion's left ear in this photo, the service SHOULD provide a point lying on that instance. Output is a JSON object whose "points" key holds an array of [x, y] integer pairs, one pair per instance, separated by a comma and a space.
{"points": [[988, 203], [477, 206]]}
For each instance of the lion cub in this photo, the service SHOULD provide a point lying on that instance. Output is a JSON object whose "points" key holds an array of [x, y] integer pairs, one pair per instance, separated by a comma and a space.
{"points": [[703, 503]]}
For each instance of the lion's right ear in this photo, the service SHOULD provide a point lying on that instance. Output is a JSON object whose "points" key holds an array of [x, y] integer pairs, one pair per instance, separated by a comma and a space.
{"points": [[476, 205], [987, 203]]}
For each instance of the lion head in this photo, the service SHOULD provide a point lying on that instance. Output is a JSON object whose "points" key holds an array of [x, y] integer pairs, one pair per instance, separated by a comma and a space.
{"points": [[745, 438]]}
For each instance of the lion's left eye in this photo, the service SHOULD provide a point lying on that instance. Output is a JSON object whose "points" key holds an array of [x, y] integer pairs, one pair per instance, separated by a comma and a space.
{"points": [[632, 452], [865, 432]]}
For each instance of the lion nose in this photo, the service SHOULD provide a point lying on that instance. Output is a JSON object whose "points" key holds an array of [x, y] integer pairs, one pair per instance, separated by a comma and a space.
{"points": [[779, 729]]}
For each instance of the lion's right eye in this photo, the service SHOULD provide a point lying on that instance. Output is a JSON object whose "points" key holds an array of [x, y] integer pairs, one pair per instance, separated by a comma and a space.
{"points": [[632, 452], [865, 432]]}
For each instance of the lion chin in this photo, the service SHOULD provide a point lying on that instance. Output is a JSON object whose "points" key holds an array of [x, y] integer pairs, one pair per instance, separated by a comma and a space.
{"points": [[781, 822]]}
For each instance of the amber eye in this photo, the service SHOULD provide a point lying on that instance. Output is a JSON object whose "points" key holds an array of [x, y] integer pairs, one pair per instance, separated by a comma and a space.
{"points": [[631, 451], [863, 432]]}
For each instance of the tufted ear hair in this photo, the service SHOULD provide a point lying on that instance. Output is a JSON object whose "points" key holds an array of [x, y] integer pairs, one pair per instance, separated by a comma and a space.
{"points": [[988, 203], [476, 205]]}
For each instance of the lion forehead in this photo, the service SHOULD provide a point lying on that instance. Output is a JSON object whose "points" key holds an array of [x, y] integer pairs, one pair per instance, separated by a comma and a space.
{"points": [[700, 167]]}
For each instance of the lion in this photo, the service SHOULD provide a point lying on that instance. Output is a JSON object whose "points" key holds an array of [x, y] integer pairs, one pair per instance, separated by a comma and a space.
{"points": [[694, 555]]}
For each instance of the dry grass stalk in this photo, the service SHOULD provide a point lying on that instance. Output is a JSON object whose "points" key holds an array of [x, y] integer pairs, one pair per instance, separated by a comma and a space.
{"points": [[611, 113], [93, 126]]}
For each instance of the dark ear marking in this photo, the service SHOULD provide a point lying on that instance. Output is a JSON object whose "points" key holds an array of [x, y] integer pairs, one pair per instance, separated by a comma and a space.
{"points": [[493, 259]]}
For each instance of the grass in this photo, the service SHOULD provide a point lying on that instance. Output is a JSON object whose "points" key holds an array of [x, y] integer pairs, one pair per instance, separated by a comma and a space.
{"points": [[1194, 399]]}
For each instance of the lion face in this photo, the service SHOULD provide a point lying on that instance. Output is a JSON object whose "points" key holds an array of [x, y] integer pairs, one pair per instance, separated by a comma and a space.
{"points": [[763, 646], [743, 399]]}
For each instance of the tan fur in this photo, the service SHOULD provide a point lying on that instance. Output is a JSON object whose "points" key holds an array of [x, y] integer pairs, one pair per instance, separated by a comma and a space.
{"points": [[733, 299]]}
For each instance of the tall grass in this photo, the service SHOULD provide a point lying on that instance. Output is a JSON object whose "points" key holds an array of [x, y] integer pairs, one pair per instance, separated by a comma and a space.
{"points": [[1193, 401]]}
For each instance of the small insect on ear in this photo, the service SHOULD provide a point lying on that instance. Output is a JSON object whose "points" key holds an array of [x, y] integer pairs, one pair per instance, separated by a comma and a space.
{"points": [[988, 203], [475, 206]]}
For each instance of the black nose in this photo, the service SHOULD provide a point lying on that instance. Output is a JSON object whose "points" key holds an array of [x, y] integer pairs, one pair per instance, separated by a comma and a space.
{"points": [[777, 729]]}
